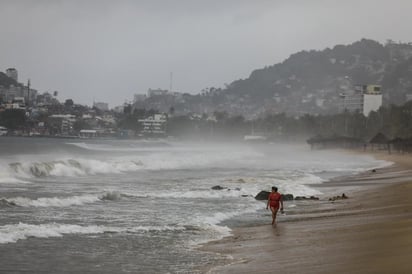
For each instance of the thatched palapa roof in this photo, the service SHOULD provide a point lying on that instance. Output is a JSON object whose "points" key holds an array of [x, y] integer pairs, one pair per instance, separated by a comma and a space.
{"points": [[379, 138]]}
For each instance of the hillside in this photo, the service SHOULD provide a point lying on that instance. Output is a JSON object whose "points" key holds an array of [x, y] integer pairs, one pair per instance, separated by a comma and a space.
{"points": [[6, 81], [310, 81]]}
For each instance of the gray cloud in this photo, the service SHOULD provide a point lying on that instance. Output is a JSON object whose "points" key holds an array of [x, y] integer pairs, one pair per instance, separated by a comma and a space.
{"points": [[109, 50]]}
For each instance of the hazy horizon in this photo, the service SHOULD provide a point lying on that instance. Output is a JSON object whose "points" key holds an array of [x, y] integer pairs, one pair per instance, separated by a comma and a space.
{"points": [[108, 51]]}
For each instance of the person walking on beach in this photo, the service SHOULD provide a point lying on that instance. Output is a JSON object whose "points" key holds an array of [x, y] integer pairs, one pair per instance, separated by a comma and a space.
{"points": [[274, 200]]}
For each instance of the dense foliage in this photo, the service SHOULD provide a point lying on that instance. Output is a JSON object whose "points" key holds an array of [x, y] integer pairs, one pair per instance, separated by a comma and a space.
{"points": [[393, 121], [13, 118]]}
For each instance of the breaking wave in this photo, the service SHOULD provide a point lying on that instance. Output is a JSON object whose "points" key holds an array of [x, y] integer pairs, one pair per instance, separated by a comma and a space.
{"points": [[21, 231], [73, 168], [161, 160], [141, 145], [59, 201]]}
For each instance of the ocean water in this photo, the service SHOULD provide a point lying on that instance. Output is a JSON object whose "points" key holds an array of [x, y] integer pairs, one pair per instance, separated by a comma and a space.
{"points": [[128, 206]]}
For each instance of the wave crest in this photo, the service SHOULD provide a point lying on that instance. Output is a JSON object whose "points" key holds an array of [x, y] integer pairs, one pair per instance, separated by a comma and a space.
{"points": [[21, 231], [13, 232], [60, 201], [72, 168]]}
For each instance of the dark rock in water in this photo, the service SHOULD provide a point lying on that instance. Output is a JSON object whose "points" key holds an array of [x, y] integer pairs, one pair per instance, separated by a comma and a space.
{"points": [[339, 197], [299, 198], [245, 195], [218, 187], [263, 195], [238, 188], [287, 197]]}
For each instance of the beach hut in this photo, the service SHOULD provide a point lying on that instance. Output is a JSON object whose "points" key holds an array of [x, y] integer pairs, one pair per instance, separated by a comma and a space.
{"points": [[379, 141], [401, 145]]}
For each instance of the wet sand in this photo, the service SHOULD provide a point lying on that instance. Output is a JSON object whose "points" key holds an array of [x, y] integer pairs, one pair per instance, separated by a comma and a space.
{"points": [[371, 232]]}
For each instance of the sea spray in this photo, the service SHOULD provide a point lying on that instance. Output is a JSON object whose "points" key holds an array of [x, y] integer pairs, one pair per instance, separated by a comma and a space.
{"points": [[147, 204]]}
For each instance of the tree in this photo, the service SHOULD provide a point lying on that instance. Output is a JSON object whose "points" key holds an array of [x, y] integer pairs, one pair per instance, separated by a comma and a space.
{"points": [[171, 110], [68, 103], [80, 124], [221, 115], [13, 118], [127, 109]]}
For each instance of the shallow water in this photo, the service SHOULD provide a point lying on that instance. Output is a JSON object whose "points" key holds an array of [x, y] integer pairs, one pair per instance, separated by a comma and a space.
{"points": [[108, 206]]}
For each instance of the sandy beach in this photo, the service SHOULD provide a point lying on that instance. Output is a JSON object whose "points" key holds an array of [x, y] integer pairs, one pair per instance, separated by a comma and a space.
{"points": [[370, 232]]}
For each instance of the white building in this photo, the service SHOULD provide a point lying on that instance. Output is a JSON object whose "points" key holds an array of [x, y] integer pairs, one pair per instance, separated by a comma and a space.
{"points": [[64, 121], [154, 125], [352, 100], [364, 99], [372, 99], [3, 131]]}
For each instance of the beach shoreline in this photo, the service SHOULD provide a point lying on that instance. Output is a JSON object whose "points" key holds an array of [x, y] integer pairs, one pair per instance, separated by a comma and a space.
{"points": [[367, 233]]}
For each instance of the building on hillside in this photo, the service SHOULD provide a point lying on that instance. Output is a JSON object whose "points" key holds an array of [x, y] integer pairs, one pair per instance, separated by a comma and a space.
{"points": [[139, 98], [118, 109], [363, 98], [372, 99], [20, 102], [8, 94], [12, 73], [154, 126], [62, 124], [3, 131], [88, 133], [45, 99], [156, 92], [102, 106], [30, 95], [351, 101]]}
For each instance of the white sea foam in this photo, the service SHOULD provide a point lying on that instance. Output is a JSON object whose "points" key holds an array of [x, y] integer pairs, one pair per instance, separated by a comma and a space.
{"points": [[141, 145], [63, 201], [13, 233], [239, 187], [138, 229], [21, 231], [54, 201], [213, 233], [12, 180], [7, 176], [111, 196], [212, 224], [197, 194], [73, 168]]}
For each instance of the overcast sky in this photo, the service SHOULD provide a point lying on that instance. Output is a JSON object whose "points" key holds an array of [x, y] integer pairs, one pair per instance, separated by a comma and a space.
{"points": [[107, 51]]}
